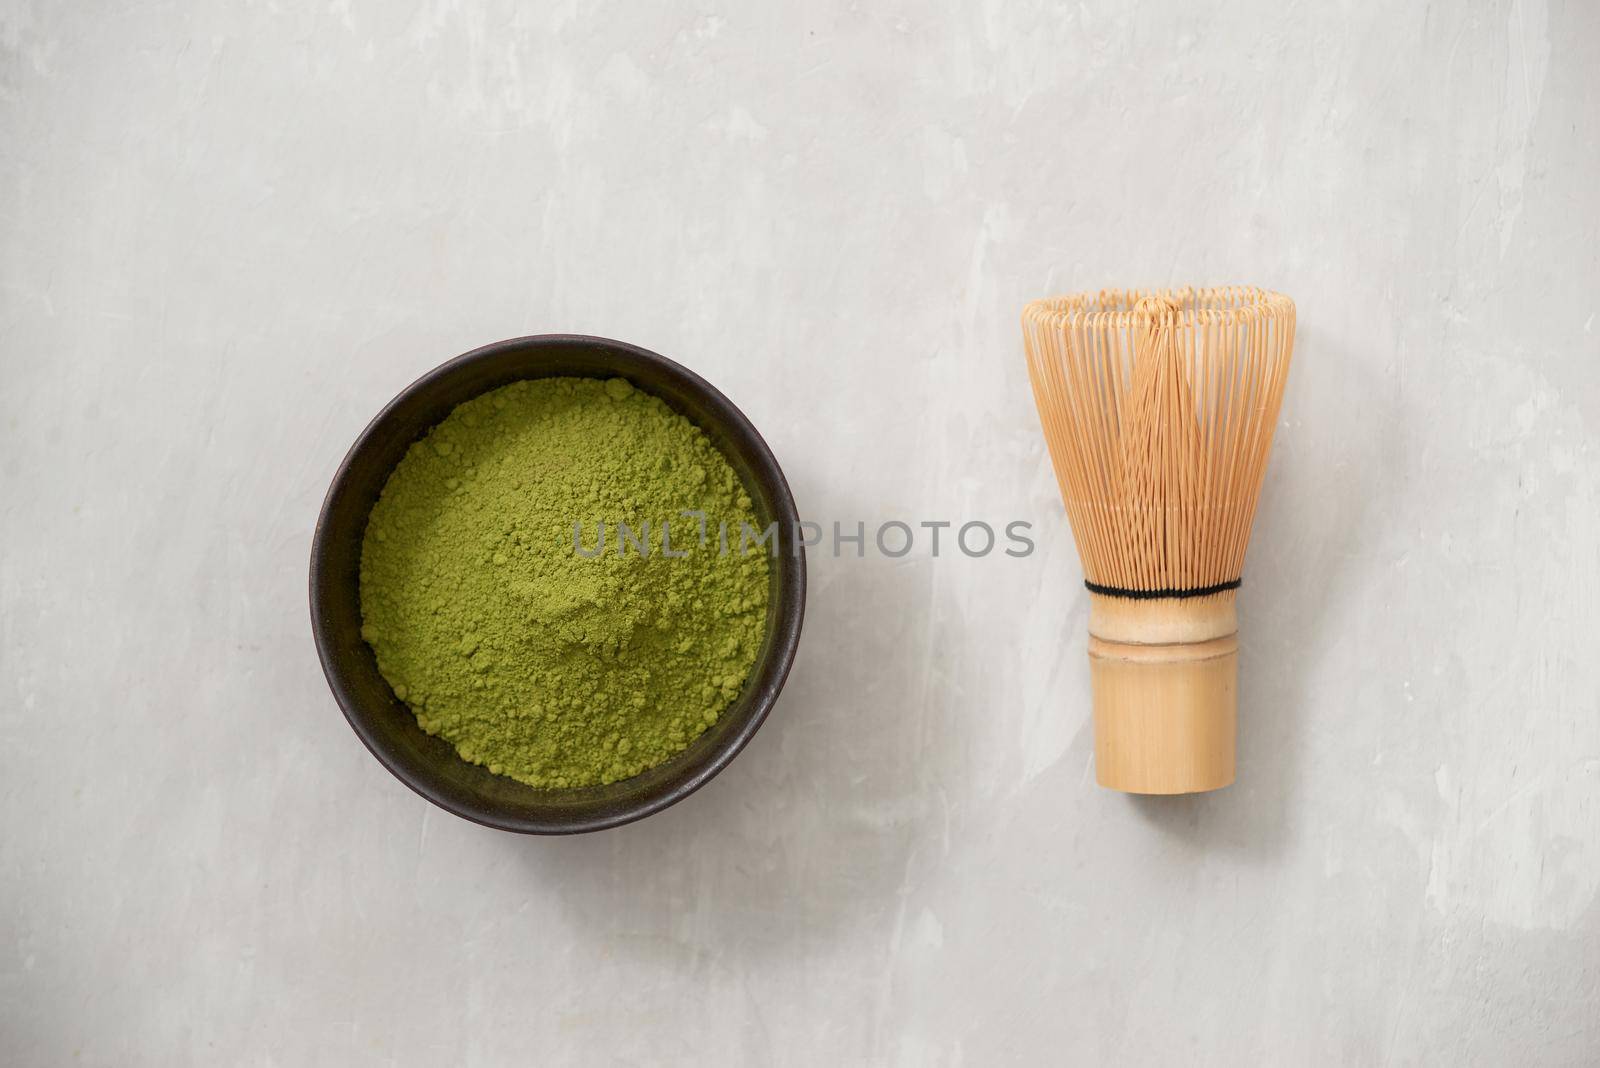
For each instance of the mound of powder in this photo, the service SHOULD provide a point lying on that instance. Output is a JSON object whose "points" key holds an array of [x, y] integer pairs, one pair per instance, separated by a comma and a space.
{"points": [[546, 665]]}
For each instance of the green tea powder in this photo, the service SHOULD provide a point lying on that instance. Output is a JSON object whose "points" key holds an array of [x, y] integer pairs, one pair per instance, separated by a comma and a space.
{"points": [[557, 667]]}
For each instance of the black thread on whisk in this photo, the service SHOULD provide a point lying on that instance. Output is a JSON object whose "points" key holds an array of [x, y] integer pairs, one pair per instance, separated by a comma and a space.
{"points": [[1151, 595]]}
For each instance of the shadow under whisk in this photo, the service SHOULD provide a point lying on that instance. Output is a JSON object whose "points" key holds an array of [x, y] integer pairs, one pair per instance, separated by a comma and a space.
{"points": [[1320, 494]]}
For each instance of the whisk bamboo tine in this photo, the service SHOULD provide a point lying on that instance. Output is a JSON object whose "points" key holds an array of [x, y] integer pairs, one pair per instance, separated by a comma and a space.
{"points": [[1158, 407]]}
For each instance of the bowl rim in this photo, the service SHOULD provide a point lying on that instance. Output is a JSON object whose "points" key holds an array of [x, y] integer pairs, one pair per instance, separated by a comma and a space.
{"points": [[788, 624]]}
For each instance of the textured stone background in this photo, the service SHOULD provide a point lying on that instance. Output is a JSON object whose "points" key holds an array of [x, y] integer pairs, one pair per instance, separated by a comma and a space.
{"points": [[230, 232]]}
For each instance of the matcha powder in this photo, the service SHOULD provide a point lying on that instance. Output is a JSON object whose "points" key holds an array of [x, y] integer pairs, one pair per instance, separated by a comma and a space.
{"points": [[557, 668]]}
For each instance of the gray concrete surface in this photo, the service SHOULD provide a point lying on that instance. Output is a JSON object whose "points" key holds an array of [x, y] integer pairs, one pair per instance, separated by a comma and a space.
{"points": [[230, 232]]}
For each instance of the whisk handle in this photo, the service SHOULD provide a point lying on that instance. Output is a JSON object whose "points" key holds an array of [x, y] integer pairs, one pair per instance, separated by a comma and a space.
{"points": [[1165, 676]]}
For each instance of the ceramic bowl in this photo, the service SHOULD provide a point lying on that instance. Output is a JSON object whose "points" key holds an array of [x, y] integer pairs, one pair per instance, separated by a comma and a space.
{"points": [[430, 765]]}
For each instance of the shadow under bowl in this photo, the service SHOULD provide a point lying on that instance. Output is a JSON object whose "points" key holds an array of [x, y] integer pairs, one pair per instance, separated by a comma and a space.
{"points": [[430, 765]]}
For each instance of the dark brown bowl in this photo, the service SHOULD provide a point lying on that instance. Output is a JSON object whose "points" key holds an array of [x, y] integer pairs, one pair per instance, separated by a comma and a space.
{"points": [[429, 765]]}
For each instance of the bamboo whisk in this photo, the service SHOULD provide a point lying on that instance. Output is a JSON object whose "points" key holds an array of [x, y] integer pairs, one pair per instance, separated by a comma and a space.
{"points": [[1158, 408]]}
